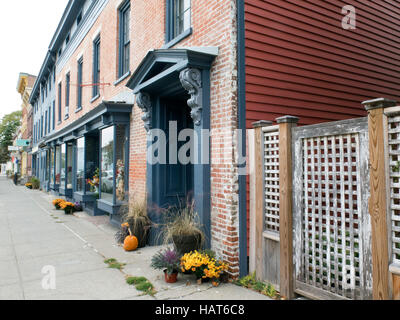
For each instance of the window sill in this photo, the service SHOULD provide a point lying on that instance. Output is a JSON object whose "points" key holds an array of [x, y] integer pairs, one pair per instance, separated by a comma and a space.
{"points": [[66, 117], [78, 109], [122, 78], [177, 39], [108, 206], [95, 98]]}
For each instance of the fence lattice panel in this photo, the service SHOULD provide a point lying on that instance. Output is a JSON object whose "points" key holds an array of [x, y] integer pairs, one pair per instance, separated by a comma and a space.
{"points": [[271, 180], [394, 165], [330, 212]]}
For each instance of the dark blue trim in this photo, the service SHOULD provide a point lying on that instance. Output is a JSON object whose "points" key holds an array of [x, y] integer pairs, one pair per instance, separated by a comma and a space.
{"points": [[178, 59], [94, 98], [59, 101], [243, 264], [122, 11], [79, 85], [122, 78], [96, 67]]}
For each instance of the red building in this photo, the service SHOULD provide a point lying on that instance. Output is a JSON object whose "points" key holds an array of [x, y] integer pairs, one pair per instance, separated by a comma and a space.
{"points": [[318, 60]]}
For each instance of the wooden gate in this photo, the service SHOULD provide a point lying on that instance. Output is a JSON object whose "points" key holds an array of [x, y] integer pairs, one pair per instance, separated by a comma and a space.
{"points": [[265, 225], [331, 224]]}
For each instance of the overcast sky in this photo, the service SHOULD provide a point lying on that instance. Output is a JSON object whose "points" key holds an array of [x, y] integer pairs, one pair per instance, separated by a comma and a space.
{"points": [[26, 29]]}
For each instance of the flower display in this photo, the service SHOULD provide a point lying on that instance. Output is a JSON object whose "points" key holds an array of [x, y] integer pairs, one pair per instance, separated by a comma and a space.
{"points": [[95, 181], [120, 180], [202, 265], [167, 259], [78, 206], [68, 207], [57, 203], [28, 185]]}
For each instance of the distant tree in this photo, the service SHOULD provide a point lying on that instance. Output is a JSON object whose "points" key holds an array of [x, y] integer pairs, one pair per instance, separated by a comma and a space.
{"points": [[8, 127]]}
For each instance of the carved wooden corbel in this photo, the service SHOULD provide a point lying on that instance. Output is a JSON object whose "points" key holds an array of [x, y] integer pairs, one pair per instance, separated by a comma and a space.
{"points": [[143, 100], [191, 81]]}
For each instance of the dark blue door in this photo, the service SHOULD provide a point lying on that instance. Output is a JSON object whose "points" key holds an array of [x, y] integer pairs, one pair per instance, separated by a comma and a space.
{"points": [[175, 179]]}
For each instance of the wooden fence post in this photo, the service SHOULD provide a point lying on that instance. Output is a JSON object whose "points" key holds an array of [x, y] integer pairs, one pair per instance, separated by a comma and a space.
{"points": [[285, 204], [256, 150], [377, 204]]}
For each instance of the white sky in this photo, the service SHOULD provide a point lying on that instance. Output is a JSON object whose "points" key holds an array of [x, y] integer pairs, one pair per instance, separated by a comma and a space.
{"points": [[26, 29]]}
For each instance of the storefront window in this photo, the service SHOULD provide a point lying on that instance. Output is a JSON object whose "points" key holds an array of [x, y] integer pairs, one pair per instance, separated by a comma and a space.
{"points": [[63, 157], [70, 161], [58, 162], [52, 166], [80, 165], [92, 146], [48, 153], [107, 163], [120, 152]]}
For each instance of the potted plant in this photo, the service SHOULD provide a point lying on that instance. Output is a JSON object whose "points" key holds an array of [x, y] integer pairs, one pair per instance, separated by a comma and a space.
{"points": [[122, 233], [57, 203], [35, 183], [183, 229], [204, 265], [68, 207], [167, 260], [78, 206], [135, 216]]}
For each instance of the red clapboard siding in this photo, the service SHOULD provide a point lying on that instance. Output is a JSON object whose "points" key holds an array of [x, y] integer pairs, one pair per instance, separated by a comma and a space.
{"points": [[301, 62]]}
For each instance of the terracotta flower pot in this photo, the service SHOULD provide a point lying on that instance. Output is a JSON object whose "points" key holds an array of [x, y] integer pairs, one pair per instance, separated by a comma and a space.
{"points": [[171, 278]]}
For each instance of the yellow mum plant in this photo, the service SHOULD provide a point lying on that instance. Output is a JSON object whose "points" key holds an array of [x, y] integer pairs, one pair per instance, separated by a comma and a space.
{"points": [[202, 265], [57, 203], [68, 207]]}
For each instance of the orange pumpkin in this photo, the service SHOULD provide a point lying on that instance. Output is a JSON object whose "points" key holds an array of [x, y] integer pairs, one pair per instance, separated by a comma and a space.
{"points": [[130, 243]]}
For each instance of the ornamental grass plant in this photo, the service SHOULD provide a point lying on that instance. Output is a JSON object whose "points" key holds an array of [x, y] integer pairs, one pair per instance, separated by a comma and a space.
{"points": [[181, 224], [134, 217]]}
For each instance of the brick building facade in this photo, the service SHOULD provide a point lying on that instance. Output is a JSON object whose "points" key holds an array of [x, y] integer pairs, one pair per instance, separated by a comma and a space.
{"points": [[108, 54]]}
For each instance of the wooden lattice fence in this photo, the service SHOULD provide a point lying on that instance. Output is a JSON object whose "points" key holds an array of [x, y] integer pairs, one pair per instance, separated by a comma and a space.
{"points": [[325, 205], [332, 252]]}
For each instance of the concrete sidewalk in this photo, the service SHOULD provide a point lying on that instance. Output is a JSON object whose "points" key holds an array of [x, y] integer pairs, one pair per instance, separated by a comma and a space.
{"points": [[34, 235]]}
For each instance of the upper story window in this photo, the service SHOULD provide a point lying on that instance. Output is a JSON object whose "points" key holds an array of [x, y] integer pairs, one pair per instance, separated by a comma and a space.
{"points": [[54, 115], [67, 39], [124, 38], [79, 84], [67, 87], [59, 101], [79, 18], [96, 67], [178, 18]]}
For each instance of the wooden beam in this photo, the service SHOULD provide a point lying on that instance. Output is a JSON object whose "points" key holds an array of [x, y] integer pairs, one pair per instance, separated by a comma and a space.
{"points": [[285, 205], [377, 204], [257, 198]]}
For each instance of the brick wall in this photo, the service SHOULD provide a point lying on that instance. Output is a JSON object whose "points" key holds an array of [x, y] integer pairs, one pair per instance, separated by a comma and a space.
{"points": [[213, 24]]}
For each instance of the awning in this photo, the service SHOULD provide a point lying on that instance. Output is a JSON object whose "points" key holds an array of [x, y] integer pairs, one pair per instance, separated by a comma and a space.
{"points": [[162, 67], [106, 114]]}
